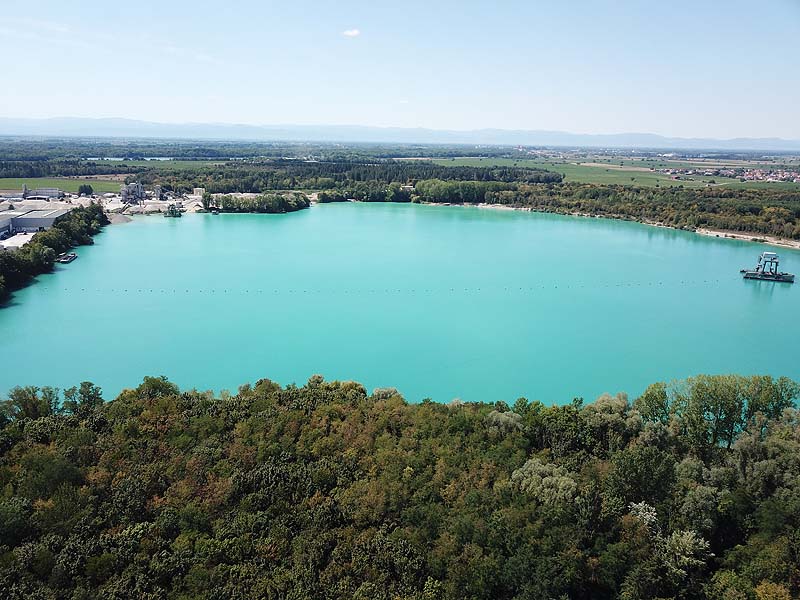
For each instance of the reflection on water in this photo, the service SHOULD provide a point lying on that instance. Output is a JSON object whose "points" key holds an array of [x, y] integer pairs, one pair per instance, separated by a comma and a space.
{"points": [[766, 289]]}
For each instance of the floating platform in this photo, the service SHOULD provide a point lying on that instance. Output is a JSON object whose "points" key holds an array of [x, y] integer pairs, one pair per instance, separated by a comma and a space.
{"points": [[784, 277], [173, 211], [767, 270], [66, 258]]}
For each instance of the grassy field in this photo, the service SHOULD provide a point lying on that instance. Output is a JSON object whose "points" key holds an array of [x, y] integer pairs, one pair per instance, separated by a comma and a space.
{"points": [[178, 165], [68, 185], [704, 163], [614, 174]]}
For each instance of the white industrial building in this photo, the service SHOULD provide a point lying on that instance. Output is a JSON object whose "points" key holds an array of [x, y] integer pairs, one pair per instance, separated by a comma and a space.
{"points": [[37, 220], [14, 222]]}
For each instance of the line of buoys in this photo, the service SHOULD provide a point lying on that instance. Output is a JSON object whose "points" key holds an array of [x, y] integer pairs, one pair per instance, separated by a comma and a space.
{"points": [[410, 291]]}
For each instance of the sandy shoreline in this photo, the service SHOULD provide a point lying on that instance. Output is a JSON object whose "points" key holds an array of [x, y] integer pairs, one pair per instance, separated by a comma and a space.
{"points": [[481, 205], [770, 240], [746, 236]]}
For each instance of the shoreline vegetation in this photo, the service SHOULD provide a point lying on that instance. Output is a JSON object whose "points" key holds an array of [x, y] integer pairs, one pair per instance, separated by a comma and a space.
{"points": [[76, 228], [759, 216], [327, 491], [775, 214], [286, 178], [750, 237], [256, 203], [747, 236], [242, 206], [278, 177], [234, 204]]}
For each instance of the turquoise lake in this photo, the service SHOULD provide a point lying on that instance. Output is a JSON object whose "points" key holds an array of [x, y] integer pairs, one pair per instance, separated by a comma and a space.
{"points": [[437, 301]]}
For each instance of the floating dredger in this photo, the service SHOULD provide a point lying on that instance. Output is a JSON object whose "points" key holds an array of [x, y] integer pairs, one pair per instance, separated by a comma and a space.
{"points": [[767, 269], [173, 211]]}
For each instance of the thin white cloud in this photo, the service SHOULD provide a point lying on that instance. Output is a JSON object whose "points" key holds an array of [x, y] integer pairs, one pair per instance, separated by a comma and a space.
{"points": [[36, 24], [58, 35], [42, 38], [403, 101], [351, 33]]}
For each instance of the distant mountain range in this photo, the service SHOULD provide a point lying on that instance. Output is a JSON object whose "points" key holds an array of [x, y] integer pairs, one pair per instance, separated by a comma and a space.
{"points": [[129, 128]]}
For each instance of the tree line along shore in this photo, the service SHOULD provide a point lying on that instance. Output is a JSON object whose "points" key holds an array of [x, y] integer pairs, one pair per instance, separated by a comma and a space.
{"points": [[327, 491], [76, 228], [284, 172], [761, 212], [277, 184], [407, 173]]}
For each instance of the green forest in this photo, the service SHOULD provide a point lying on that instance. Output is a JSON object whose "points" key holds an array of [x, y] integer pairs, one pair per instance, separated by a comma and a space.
{"points": [[327, 491], [396, 173], [262, 203], [261, 175], [768, 212], [38, 256], [771, 212]]}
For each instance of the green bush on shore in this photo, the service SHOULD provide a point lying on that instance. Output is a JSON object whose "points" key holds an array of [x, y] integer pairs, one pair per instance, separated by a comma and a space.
{"points": [[263, 203]]}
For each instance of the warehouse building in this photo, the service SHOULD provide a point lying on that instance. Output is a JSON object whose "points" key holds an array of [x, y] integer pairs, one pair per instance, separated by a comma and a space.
{"points": [[45, 193], [7, 221], [37, 220], [16, 225]]}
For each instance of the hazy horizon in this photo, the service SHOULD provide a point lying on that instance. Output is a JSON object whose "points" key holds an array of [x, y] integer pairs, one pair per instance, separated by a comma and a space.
{"points": [[694, 70], [270, 125], [120, 128]]}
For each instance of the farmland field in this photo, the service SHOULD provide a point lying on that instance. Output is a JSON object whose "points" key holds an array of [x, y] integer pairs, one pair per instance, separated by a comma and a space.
{"points": [[63, 183], [630, 173], [178, 165], [697, 163]]}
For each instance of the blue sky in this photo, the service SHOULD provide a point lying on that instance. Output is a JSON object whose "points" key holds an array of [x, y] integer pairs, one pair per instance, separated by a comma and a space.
{"points": [[702, 68]]}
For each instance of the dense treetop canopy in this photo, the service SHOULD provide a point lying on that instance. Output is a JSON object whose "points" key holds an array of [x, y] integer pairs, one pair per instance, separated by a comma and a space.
{"points": [[327, 491]]}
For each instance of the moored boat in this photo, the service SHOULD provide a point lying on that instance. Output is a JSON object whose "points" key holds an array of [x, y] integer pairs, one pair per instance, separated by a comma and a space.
{"points": [[66, 257]]}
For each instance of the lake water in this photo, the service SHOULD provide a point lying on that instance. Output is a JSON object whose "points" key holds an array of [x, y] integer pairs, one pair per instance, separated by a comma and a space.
{"points": [[440, 302]]}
